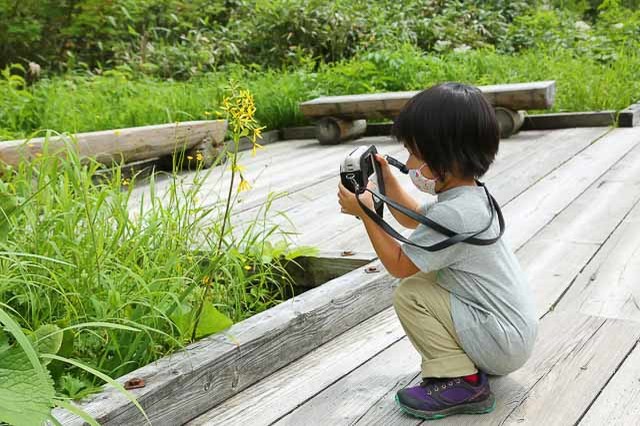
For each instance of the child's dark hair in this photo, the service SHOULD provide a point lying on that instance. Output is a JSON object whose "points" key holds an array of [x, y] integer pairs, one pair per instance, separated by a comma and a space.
{"points": [[452, 128]]}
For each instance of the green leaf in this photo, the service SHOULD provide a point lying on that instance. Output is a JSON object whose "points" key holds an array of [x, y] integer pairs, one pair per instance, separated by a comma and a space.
{"points": [[212, 321], [47, 339], [26, 389]]}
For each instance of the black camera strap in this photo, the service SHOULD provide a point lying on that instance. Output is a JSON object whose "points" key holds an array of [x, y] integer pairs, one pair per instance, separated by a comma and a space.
{"points": [[453, 237]]}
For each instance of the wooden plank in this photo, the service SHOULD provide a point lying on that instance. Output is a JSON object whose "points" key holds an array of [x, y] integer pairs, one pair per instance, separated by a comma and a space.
{"points": [[577, 234], [281, 392], [630, 117], [619, 402], [539, 205], [188, 383], [535, 95], [122, 145], [565, 120], [609, 285], [344, 401], [567, 368]]}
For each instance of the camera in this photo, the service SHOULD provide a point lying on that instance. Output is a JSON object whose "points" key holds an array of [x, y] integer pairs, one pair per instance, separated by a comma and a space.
{"points": [[357, 168]]}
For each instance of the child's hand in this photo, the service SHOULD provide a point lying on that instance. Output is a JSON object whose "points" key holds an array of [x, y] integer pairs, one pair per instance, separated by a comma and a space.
{"points": [[384, 167], [349, 204]]}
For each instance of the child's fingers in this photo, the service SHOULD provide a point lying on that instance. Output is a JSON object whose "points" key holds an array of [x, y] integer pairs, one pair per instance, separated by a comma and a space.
{"points": [[383, 161]]}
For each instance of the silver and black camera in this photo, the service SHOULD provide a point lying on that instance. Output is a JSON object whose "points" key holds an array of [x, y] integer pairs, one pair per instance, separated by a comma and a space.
{"points": [[357, 169]]}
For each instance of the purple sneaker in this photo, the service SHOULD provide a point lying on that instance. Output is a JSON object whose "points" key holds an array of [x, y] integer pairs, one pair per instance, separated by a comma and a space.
{"points": [[438, 398]]}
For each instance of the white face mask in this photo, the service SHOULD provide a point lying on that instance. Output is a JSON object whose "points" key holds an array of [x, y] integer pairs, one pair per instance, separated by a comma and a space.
{"points": [[422, 183]]}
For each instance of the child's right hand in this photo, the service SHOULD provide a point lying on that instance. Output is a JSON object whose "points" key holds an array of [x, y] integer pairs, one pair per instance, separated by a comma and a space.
{"points": [[384, 167]]}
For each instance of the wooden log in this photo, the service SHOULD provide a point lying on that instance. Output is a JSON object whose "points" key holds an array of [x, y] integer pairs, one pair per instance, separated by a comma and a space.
{"points": [[630, 117], [331, 130], [186, 384], [509, 121], [569, 119], [378, 129], [118, 146], [536, 95]]}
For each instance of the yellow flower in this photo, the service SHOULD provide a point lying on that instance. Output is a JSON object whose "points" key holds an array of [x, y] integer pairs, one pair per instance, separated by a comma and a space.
{"points": [[255, 147], [199, 156], [189, 157], [244, 185], [247, 267], [206, 280], [38, 154], [237, 168], [125, 182]]}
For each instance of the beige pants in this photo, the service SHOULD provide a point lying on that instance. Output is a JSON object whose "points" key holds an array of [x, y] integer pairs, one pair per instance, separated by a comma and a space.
{"points": [[424, 309]]}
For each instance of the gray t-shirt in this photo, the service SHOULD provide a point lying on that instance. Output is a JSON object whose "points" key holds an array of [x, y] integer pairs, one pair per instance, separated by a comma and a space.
{"points": [[492, 305]]}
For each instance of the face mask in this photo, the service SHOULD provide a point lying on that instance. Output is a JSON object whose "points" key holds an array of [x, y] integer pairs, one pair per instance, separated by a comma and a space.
{"points": [[422, 183]]}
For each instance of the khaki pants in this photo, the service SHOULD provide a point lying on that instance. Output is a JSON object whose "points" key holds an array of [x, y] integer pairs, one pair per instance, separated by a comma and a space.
{"points": [[424, 309]]}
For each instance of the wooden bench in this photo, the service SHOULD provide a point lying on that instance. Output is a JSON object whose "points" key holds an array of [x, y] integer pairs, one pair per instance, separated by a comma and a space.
{"points": [[340, 118]]}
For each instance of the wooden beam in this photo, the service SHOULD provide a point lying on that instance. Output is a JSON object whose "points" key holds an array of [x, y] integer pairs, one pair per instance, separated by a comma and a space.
{"points": [[536, 95], [118, 146], [186, 384], [564, 120], [303, 132], [630, 117], [331, 130]]}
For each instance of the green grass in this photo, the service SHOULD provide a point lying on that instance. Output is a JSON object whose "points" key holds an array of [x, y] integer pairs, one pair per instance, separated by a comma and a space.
{"points": [[116, 100], [72, 252]]}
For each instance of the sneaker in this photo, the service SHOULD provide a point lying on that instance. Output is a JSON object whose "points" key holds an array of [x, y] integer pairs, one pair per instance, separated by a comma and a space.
{"points": [[438, 398]]}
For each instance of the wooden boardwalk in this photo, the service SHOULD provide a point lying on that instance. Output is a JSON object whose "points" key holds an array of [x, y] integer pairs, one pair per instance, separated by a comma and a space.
{"points": [[570, 198]]}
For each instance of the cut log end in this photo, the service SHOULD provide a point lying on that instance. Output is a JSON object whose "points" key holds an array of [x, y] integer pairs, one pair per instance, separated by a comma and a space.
{"points": [[509, 121], [331, 130]]}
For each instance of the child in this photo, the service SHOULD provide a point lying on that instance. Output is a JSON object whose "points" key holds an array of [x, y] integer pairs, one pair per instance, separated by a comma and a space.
{"points": [[467, 309]]}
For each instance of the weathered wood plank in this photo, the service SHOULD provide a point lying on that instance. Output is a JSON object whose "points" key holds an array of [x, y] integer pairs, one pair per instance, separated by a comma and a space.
{"points": [[619, 402], [186, 384], [609, 286], [535, 95], [122, 145], [539, 205], [568, 353], [563, 120], [281, 392], [630, 117], [302, 132]]}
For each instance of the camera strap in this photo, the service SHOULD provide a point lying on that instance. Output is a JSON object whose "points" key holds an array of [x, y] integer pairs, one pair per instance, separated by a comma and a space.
{"points": [[453, 237]]}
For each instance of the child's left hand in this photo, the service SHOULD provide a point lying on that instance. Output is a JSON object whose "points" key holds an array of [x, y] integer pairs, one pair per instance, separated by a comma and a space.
{"points": [[348, 202]]}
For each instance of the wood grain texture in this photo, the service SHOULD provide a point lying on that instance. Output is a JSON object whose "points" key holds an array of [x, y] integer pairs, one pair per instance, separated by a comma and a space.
{"points": [[540, 204], [619, 402], [182, 386], [278, 394], [557, 384], [122, 145], [535, 95], [563, 120], [609, 286]]}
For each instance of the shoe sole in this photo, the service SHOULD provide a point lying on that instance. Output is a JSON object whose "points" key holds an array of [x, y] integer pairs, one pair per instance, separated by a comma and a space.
{"points": [[482, 407]]}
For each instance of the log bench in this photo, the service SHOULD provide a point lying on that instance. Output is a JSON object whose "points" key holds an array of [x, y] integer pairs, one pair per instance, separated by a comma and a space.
{"points": [[340, 118], [123, 146]]}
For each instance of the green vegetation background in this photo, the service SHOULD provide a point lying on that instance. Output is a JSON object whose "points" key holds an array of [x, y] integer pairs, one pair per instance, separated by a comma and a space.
{"points": [[91, 65]]}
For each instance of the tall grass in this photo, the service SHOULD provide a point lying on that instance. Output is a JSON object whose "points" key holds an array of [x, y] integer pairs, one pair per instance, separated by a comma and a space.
{"points": [[73, 251], [114, 100]]}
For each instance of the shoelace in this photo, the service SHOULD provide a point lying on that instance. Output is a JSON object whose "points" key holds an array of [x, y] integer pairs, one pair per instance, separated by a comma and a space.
{"points": [[434, 385]]}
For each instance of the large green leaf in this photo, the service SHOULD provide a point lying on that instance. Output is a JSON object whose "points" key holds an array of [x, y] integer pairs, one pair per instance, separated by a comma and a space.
{"points": [[26, 396], [47, 339]]}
